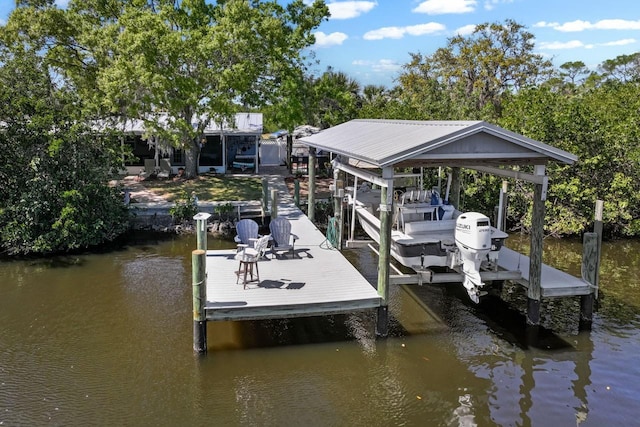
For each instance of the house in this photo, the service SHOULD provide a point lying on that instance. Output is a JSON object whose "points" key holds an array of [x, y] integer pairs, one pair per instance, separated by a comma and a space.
{"points": [[223, 148]]}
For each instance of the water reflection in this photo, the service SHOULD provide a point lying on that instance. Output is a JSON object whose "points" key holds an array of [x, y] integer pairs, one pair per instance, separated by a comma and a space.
{"points": [[107, 339]]}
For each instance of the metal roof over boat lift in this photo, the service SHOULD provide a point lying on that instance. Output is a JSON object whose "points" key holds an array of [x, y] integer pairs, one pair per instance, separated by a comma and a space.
{"points": [[384, 143]]}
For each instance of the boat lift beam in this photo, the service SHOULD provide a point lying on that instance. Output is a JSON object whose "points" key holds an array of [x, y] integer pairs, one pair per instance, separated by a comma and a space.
{"points": [[419, 277], [539, 178], [367, 176]]}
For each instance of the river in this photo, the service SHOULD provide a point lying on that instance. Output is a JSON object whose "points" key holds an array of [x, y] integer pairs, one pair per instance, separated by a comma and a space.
{"points": [[106, 339]]}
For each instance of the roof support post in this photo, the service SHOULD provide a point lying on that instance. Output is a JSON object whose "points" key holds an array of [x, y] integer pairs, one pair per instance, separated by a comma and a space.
{"points": [[454, 197], [534, 290], [386, 214], [256, 158], [311, 198]]}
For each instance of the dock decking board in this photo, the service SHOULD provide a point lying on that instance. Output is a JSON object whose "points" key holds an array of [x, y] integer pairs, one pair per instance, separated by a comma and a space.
{"points": [[318, 280], [554, 283]]}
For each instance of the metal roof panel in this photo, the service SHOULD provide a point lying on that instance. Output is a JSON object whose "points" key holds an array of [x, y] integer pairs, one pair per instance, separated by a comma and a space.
{"points": [[386, 142]]}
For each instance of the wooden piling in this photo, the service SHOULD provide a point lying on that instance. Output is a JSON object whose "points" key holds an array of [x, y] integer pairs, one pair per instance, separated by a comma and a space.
{"points": [[534, 291], [201, 230], [265, 196], [296, 192], [502, 208], [454, 198], [386, 206], [311, 198], [591, 250], [274, 204], [337, 208], [289, 151], [198, 267]]}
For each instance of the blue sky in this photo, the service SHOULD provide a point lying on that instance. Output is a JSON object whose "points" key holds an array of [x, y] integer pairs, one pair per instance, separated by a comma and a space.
{"points": [[371, 40]]}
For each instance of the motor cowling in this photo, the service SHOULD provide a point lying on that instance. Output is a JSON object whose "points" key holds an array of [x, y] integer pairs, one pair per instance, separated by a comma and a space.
{"points": [[473, 232], [473, 240]]}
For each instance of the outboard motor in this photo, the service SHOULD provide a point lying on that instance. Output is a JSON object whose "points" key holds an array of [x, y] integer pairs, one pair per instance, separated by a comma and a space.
{"points": [[473, 240]]}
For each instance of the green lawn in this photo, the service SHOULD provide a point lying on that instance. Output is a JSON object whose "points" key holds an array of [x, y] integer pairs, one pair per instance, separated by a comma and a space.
{"points": [[208, 188]]}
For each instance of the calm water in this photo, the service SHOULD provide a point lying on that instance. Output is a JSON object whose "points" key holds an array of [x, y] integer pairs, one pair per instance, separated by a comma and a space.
{"points": [[106, 339]]}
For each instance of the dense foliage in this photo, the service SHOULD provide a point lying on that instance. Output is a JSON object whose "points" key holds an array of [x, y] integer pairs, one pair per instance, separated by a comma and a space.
{"points": [[53, 168], [494, 75], [176, 65], [130, 58]]}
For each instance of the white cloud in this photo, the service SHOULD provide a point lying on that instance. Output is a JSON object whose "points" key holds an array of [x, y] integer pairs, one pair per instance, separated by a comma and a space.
{"points": [[622, 42], [579, 25], [491, 4], [385, 33], [327, 40], [544, 24], [466, 30], [421, 29], [385, 65], [561, 45], [441, 7], [574, 44], [382, 65], [399, 32], [350, 9]]}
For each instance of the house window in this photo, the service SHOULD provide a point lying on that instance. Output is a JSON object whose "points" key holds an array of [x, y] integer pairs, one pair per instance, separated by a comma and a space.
{"points": [[137, 150], [211, 151], [177, 158]]}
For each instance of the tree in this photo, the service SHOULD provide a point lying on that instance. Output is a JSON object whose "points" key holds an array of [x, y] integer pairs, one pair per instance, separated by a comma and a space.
{"points": [[337, 97], [54, 169], [625, 68], [479, 70], [421, 92], [175, 64], [574, 72], [599, 124]]}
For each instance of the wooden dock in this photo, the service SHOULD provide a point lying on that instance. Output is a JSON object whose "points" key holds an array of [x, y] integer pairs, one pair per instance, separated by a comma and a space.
{"points": [[317, 280], [553, 282]]}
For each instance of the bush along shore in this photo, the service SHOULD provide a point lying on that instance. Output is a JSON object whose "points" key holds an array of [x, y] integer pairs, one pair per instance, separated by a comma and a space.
{"points": [[178, 217]]}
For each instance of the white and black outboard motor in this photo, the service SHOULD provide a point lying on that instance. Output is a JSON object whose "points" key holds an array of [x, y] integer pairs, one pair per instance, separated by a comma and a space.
{"points": [[473, 240]]}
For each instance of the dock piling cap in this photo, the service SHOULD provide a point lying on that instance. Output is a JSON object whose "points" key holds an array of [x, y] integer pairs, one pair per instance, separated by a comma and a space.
{"points": [[201, 216]]}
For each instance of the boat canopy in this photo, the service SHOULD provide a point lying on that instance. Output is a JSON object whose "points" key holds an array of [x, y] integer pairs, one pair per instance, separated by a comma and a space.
{"points": [[404, 143]]}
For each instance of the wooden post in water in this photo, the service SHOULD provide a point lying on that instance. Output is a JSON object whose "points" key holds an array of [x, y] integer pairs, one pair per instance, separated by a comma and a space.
{"points": [[289, 151], [201, 229], [454, 197], [311, 198], [274, 204], [386, 214], [265, 197], [339, 211], [502, 207], [534, 291], [199, 283], [353, 209], [591, 251], [296, 192]]}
